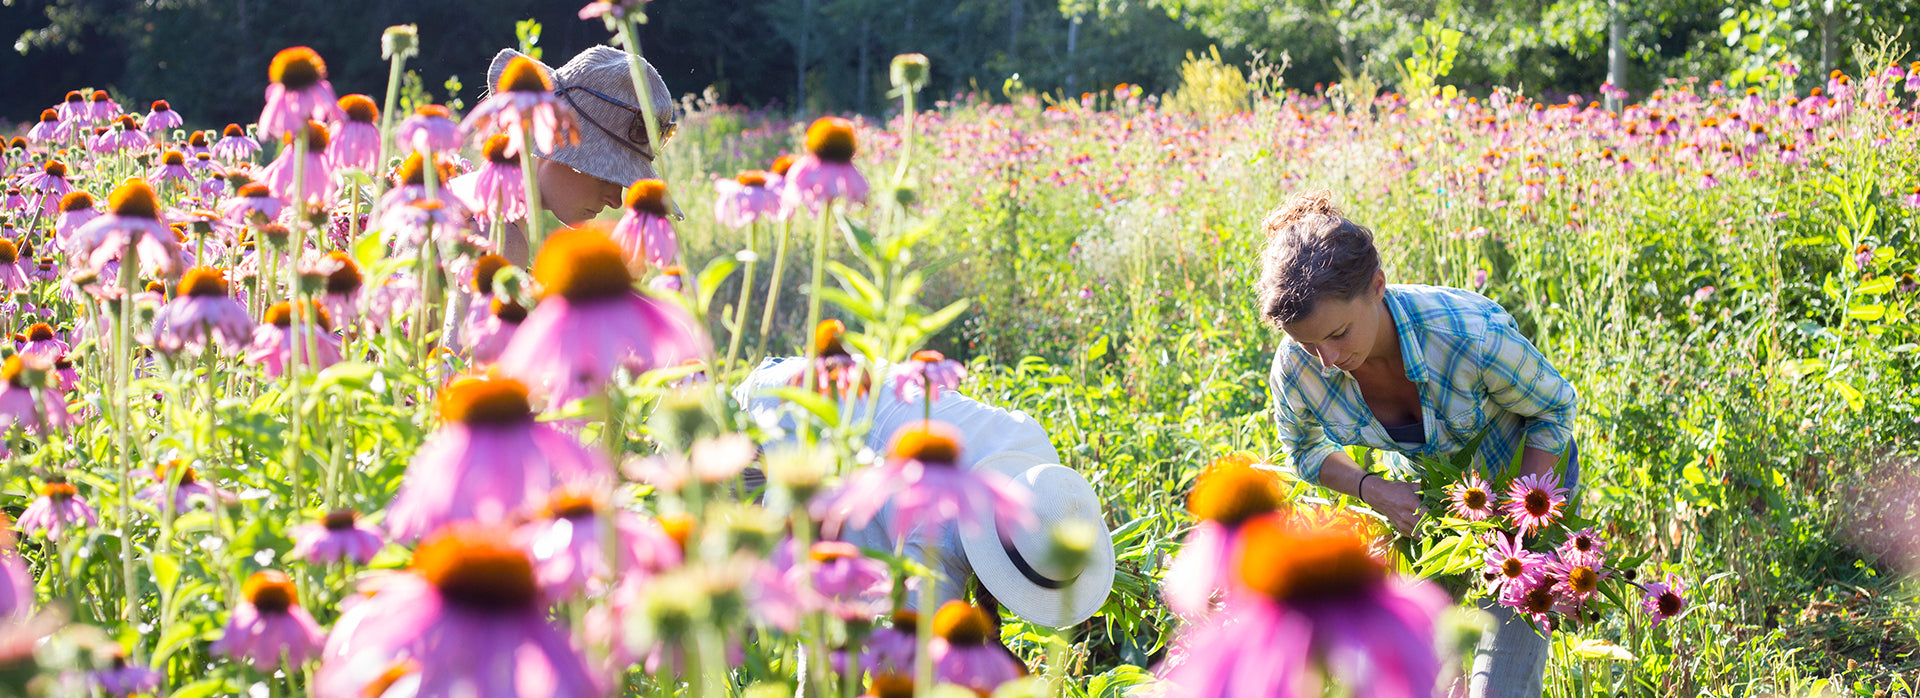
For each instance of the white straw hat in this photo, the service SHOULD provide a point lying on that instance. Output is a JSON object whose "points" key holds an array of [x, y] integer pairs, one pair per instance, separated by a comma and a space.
{"points": [[598, 84], [1013, 560]]}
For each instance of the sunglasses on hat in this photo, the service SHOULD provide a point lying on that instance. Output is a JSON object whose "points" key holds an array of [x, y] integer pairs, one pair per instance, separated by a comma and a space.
{"points": [[636, 133]]}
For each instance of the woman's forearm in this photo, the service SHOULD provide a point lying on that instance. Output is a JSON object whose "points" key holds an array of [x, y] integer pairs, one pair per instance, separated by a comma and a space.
{"points": [[1533, 461], [1340, 474]]}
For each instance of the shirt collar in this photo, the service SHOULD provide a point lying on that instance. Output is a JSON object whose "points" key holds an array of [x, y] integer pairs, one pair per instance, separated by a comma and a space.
{"points": [[1413, 354]]}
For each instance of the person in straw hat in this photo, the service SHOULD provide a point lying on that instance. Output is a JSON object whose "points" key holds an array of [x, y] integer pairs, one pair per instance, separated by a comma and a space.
{"points": [[1011, 562], [578, 182]]}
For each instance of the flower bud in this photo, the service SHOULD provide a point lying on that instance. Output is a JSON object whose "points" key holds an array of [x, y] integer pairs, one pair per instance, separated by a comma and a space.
{"points": [[909, 71], [400, 41]]}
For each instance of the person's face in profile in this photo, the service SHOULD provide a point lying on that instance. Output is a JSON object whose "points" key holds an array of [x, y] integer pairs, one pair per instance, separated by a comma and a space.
{"points": [[573, 196]]}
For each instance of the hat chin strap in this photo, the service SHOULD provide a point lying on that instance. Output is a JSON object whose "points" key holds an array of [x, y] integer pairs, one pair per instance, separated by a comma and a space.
{"points": [[1027, 570]]}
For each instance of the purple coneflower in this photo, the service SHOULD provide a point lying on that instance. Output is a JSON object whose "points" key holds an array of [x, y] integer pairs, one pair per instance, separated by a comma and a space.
{"points": [[339, 536], [523, 105], [1534, 502], [966, 649], [162, 117], [710, 461], [826, 172], [489, 337], [20, 378], [52, 185], [101, 107], [16, 583], [125, 134], [43, 342], [13, 276], [1230, 492], [270, 624], [197, 146], [1666, 599], [489, 459], [849, 585], [316, 182], [890, 649], [835, 373], [121, 679], [927, 373], [1472, 499], [134, 217], [64, 374], [469, 617], [570, 554], [1584, 542], [298, 92], [189, 488], [254, 203], [58, 508], [496, 191], [341, 294], [431, 128], [51, 128], [414, 224], [923, 480], [644, 231], [202, 311], [1536, 601], [76, 209], [234, 144], [276, 338], [1511, 566], [1307, 596], [356, 139], [590, 320], [747, 199], [1579, 576], [74, 107]]}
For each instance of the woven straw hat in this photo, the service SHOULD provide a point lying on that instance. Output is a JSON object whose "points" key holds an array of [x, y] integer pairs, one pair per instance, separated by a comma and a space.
{"points": [[1013, 561], [609, 118]]}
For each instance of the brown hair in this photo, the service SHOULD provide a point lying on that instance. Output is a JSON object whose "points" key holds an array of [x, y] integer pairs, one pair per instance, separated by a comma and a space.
{"points": [[1312, 252]]}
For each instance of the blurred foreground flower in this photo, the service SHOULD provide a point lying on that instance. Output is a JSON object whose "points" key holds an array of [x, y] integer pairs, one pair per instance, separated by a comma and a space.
{"points": [[924, 482], [826, 172], [1228, 494], [270, 625], [522, 106]]}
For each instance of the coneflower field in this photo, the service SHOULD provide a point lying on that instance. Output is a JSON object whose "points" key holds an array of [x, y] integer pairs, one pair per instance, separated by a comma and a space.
{"points": [[287, 410]]}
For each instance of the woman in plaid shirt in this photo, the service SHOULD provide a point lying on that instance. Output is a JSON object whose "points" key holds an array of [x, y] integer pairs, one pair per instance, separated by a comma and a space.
{"points": [[1412, 371]]}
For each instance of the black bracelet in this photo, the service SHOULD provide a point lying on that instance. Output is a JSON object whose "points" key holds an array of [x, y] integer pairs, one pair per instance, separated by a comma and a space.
{"points": [[1361, 490]]}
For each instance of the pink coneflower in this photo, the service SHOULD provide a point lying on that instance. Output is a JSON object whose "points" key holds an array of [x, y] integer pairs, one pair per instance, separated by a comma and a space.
{"points": [[928, 373], [523, 106], [414, 224], [835, 373], [172, 167], [1471, 498], [591, 322], [21, 377], [64, 374], [45, 270], [845, 583], [489, 337], [924, 482], [15, 202], [16, 583], [392, 301], [670, 280], [496, 191], [277, 337], [890, 649], [122, 679], [340, 536], [356, 139], [298, 92], [196, 146], [1508, 565], [189, 487], [42, 342], [1313, 596], [644, 231], [709, 461], [1226, 495], [1536, 601], [202, 311], [101, 107], [341, 295], [234, 144], [74, 107], [1584, 542], [13, 275], [1534, 501], [966, 649], [617, 9], [254, 203], [431, 128], [52, 185], [749, 198], [317, 177], [134, 217], [162, 117], [76, 210], [58, 508], [488, 460], [50, 129], [470, 620], [1664, 600], [1579, 576], [410, 183], [270, 625], [826, 172], [125, 134], [570, 554]]}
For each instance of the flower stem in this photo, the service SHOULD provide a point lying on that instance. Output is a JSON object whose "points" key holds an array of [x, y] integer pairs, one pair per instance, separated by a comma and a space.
{"points": [[534, 236], [123, 365], [296, 242], [773, 285], [923, 630], [642, 87], [818, 285], [746, 294], [396, 65]]}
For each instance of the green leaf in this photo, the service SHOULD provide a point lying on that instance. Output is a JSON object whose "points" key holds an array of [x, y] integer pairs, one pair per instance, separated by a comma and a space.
{"points": [[708, 282], [369, 250], [206, 687], [940, 318], [1875, 286], [819, 405], [1866, 312], [1098, 349]]}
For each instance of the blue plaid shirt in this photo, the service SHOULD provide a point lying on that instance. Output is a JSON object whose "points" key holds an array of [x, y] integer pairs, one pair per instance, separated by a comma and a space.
{"points": [[1472, 368]]}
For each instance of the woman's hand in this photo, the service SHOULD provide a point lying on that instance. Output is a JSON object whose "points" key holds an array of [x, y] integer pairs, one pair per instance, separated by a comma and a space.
{"points": [[1398, 501]]}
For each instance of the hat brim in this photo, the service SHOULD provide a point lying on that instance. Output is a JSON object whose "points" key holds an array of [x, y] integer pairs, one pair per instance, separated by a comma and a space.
{"points": [[1055, 608]]}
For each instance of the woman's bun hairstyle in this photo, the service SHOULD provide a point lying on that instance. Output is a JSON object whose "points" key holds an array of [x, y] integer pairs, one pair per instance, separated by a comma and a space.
{"points": [[1312, 252]]}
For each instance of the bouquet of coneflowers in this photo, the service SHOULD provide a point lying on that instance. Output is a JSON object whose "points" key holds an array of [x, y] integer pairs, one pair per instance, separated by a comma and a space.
{"points": [[1515, 538]]}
